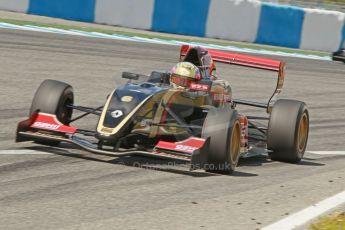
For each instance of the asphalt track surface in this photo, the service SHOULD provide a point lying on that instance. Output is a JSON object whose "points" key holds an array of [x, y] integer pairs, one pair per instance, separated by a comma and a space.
{"points": [[55, 188]]}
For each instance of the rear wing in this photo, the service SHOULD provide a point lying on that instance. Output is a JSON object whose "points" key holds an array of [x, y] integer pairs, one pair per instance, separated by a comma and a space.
{"points": [[248, 61]]}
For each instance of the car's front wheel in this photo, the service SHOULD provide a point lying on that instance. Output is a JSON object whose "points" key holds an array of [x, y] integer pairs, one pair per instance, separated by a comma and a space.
{"points": [[53, 97], [223, 127]]}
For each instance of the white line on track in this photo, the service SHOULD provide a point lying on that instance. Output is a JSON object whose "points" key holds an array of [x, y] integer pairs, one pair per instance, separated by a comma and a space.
{"points": [[302, 217], [327, 152], [159, 41], [22, 152]]}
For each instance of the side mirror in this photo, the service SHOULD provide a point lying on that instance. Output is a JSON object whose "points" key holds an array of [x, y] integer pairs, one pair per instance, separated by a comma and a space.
{"points": [[130, 76], [159, 77]]}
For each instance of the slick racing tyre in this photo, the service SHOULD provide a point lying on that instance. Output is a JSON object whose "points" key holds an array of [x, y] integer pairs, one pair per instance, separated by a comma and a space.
{"points": [[223, 128], [288, 130], [52, 97]]}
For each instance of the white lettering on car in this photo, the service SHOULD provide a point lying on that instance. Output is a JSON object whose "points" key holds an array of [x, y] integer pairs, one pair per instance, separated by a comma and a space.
{"points": [[42, 125], [185, 148]]}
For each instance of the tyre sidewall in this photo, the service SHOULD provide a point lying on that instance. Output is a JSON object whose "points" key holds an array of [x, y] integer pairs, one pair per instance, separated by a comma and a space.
{"points": [[218, 126], [50, 97], [283, 128]]}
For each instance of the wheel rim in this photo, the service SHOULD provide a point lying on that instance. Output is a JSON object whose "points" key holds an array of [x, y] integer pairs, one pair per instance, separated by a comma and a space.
{"points": [[66, 113], [235, 143], [302, 133]]}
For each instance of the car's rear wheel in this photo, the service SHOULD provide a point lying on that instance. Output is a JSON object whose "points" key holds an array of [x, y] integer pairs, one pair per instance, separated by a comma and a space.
{"points": [[223, 128], [53, 97], [288, 131]]}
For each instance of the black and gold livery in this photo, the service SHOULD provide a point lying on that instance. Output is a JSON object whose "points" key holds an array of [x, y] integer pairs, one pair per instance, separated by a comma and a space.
{"points": [[172, 115]]}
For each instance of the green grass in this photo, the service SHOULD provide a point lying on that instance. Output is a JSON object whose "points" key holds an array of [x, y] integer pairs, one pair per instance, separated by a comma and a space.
{"points": [[332, 222], [335, 1], [165, 37]]}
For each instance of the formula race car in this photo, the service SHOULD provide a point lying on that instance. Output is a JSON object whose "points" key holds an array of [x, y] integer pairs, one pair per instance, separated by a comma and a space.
{"points": [[185, 114]]}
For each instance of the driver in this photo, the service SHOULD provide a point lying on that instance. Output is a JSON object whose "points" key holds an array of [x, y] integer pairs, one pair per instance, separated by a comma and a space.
{"points": [[183, 74]]}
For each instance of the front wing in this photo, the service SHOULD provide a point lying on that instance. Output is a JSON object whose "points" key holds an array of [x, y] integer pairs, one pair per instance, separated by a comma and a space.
{"points": [[41, 126]]}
